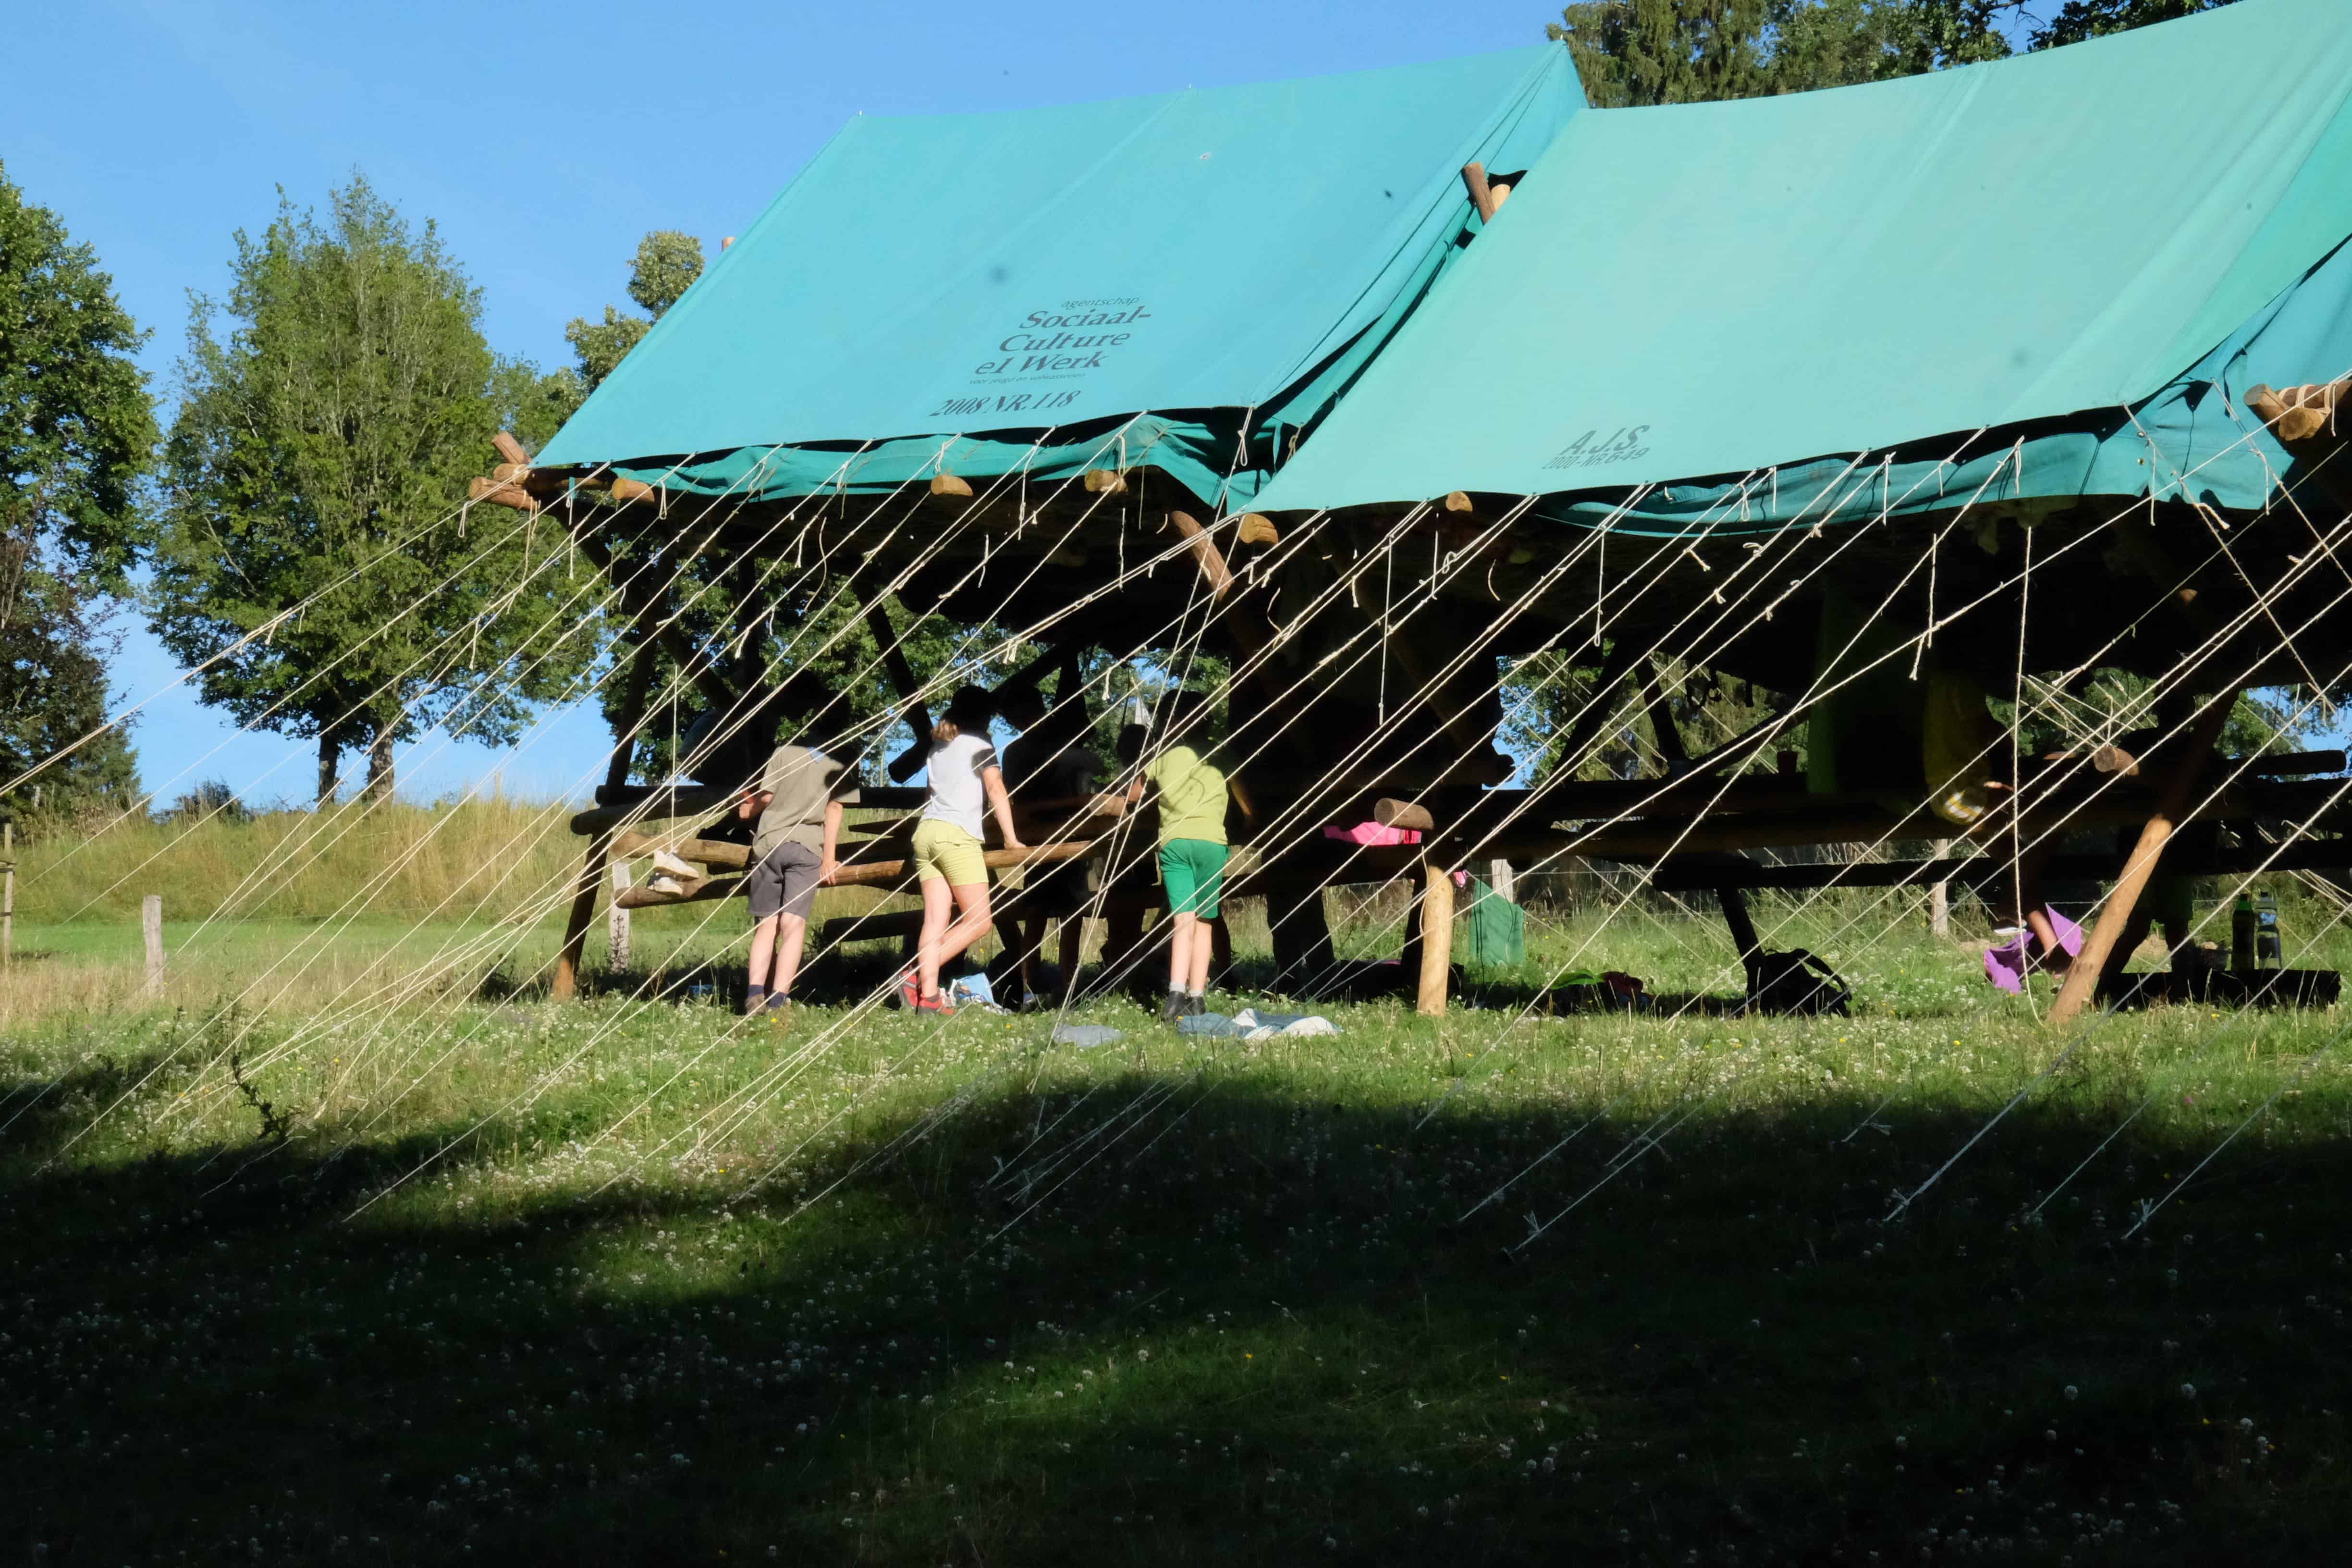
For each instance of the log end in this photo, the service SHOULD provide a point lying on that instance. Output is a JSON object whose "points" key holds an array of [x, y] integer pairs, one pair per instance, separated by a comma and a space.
{"points": [[950, 485]]}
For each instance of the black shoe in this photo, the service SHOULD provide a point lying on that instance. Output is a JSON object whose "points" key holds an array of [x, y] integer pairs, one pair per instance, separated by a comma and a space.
{"points": [[1174, 1008], [1194, 1005]]}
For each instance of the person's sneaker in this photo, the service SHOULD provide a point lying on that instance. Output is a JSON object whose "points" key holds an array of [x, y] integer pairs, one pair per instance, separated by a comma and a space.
{"points": [[939, 1003], [1174, 1008], [777, 1009], [910, 989], [1195, 1005]]}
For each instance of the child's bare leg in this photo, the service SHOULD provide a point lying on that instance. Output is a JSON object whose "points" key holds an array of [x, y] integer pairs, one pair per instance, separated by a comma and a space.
{"points": [[937, 900], [1198, 978], [1182, 928], [791, 931], [763, 938], [972, 921]]}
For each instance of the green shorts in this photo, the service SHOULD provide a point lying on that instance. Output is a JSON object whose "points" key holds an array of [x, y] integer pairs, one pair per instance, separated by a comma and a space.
{"points": [[1194, 872], [944, 852]]}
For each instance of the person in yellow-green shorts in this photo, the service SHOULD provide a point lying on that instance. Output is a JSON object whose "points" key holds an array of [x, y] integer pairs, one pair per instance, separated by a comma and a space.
{"points": [[951, 866], [1192, 847]]}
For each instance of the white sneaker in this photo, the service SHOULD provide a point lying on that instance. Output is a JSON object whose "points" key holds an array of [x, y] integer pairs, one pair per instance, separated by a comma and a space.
{"points": [[668, 865]]}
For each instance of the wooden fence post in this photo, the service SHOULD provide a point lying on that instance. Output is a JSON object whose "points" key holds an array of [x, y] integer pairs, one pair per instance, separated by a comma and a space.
{"points": [[1939, 897], [7, 891], [565, 983], [1498, 875], [151, 926], [1436, 937], [617, 921]]}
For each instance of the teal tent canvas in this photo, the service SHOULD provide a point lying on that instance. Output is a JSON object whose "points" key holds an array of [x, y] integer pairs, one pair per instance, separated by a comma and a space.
{"points": [[1182, 280], [1832, 277]]}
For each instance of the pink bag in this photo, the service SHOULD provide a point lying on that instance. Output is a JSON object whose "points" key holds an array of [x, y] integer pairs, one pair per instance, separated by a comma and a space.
{"points": [[1372, 835]]}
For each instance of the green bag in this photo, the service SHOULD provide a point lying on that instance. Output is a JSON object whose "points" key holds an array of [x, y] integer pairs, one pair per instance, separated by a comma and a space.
{"points": [[1498, 929]]}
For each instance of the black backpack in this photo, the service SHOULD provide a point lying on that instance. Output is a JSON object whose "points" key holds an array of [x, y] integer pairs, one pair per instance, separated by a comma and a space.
{"points": [[1796, 981]]}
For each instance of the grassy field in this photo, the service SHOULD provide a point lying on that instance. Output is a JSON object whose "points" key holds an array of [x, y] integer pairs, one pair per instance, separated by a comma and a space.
{"points": [[439, 1272]]}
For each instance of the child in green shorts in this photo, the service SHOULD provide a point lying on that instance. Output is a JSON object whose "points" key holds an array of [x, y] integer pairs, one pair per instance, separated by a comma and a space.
{"points": [[1192, 851]]}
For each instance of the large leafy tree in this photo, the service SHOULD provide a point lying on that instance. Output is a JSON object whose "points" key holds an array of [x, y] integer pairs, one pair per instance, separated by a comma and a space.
{"points": [[665, 267], [76, 431], [319, 458]]}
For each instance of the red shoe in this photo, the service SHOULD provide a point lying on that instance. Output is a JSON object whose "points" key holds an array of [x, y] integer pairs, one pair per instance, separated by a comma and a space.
{"points": [[939, 1003], [911, 990]]}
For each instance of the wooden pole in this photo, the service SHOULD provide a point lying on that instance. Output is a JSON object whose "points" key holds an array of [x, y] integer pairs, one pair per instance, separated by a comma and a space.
{"points": [[565, 984], [151, 926], [7, 892], [1499, 876], [1482, 196], [1939, 896], [616, 920], [1436, 937], [2083, 978], [909, 763], [857, 873], [1734, 901]]}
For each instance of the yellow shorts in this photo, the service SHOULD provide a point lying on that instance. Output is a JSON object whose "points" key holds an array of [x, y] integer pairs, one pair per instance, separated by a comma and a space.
{"points": [[944, 852]]}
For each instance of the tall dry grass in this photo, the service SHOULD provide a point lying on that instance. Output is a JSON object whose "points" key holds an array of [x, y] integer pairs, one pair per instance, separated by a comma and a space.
{"points": [[483, 859]]}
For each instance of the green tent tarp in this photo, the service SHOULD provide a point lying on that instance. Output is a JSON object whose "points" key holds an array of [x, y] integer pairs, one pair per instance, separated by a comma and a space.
{"points": [[991, 293], [1710, 290]]}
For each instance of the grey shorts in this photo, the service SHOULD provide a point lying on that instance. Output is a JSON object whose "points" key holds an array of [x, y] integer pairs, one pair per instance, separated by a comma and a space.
{"points": [[784, 882]]}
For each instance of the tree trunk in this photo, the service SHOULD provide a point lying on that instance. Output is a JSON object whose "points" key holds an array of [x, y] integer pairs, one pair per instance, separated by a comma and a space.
{"points": [[379, 776], [329, 746]]}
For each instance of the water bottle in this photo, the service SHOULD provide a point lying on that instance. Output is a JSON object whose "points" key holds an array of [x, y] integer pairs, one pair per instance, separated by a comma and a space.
{"points": [[2241, 934], [2269, 952]]}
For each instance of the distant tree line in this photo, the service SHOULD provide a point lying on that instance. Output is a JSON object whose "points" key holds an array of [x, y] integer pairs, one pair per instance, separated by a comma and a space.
{"points": [[1636, 52]]}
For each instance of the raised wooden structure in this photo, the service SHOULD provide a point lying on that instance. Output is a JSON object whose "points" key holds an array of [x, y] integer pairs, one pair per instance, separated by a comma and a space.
{"points": [[1365, 650]]}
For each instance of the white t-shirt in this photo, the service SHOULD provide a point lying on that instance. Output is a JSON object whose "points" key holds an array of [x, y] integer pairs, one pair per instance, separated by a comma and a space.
{"points": [[956, 793]]}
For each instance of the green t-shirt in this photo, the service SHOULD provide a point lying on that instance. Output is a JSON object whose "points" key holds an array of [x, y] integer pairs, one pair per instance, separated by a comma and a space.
{"points": [[1191, 795]]}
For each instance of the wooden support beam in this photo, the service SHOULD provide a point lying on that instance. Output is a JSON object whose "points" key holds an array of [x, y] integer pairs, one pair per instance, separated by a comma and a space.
{"points": [[1257, 528], [1482, 196], [909, 763], [714, 688], [498, 493], [951, 486], [1206, 555], [872, 873], [508, 449], [565, 984], [1436, 937], [2083, 976], [2301, 413], [653, 805], [1458, 501], [1105, 482], [1669, 735]]}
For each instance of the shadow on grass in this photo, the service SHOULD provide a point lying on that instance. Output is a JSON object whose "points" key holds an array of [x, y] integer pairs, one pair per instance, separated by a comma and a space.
{"points": [[1179, 1318]]}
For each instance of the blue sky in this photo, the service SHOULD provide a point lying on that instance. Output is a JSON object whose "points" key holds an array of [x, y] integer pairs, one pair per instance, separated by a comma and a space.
{"points": [[544, 140]]}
